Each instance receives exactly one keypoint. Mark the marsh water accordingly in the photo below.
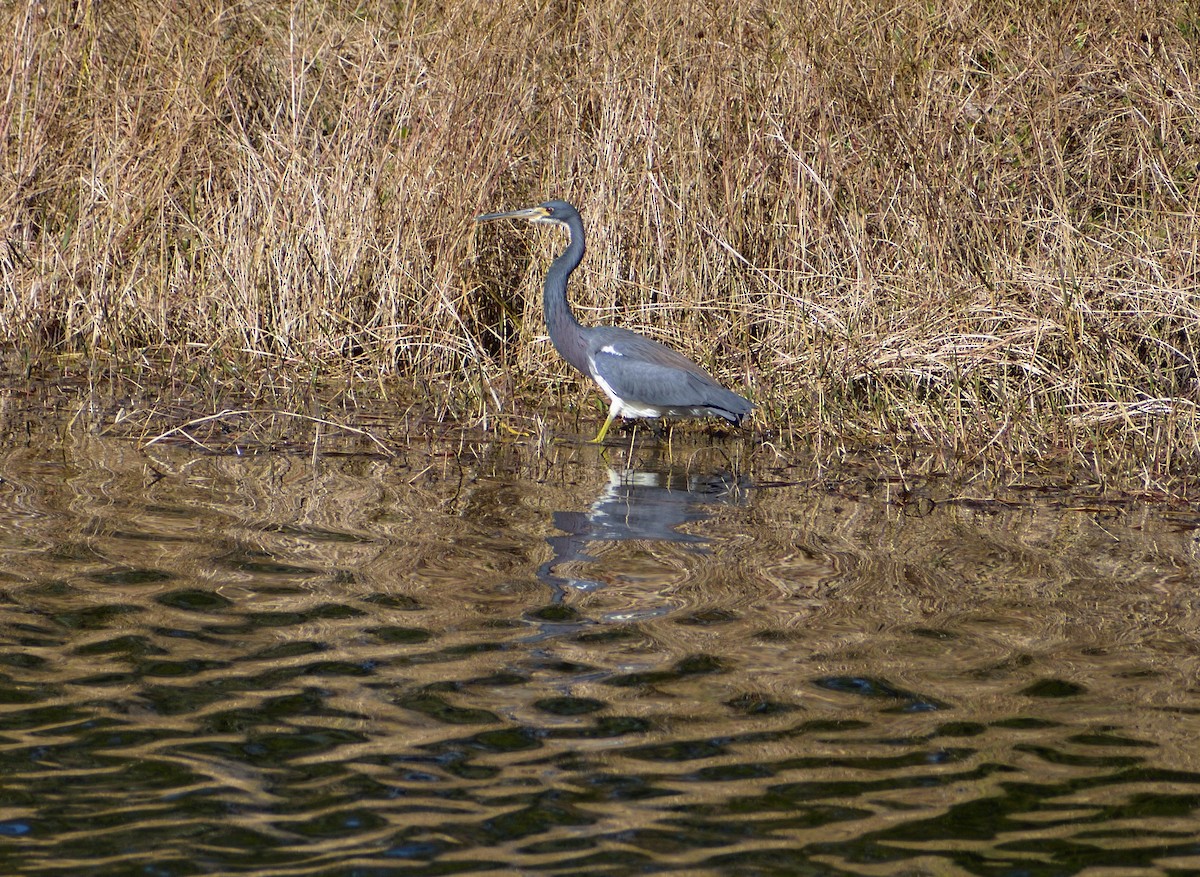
(537, 657)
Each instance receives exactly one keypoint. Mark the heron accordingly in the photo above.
(641, 377)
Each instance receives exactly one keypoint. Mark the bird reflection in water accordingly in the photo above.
(638, 505)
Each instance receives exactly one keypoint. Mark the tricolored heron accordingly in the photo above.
(642, 378)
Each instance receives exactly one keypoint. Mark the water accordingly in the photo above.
(491, 659)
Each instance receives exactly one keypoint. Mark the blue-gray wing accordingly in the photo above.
(643, 371)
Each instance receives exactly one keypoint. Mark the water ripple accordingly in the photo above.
(281, 666)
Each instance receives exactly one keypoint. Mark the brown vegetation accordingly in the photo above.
(973, 225)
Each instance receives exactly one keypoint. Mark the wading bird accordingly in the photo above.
(642, 378)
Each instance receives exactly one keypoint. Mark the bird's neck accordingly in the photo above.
(565, 331)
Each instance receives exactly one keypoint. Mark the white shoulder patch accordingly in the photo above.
(608, 348)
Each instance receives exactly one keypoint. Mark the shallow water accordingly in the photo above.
(540, 659)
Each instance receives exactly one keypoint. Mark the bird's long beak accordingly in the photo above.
(530, 213)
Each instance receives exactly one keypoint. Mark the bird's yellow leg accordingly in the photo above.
(612, 415)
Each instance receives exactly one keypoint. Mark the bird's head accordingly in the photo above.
(547, 213)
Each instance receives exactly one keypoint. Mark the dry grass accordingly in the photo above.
(969, 225)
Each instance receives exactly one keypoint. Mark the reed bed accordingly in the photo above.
(969, 225)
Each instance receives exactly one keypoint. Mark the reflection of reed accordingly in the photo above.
(351, 658)
(289, 531)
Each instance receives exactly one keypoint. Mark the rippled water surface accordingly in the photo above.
(535, 659)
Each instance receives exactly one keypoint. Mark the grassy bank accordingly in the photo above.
(973, 226)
